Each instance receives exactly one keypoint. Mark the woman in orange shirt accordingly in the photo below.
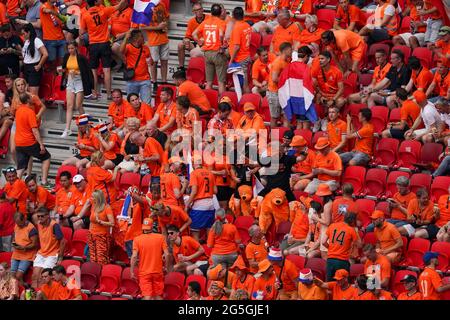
(101, 179)
(224, 239)
(99, 236)
(108, 143)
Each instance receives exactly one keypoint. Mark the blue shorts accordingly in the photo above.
(20, 265)
(56, 49)
(201, 219)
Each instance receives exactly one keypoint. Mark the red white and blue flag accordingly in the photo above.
(296, 92)
(143, 11)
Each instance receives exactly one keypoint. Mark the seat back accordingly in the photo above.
(430, 153)
(409, 153)
(196, 70)
(299, 261)
(174, 286)
(201, 281)
(355, 176)
(420, 180)
(375, 182)
(90, 275)
(366, 207)
(386, 151)
(379, 118)
(439, 187)
(443, 249)
(416, 249)
(391, 187)
(325, 18)
(317, 266)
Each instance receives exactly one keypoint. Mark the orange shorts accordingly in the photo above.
(152, 285)
(358, 53)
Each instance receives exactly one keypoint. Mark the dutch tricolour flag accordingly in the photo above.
(143, 11)
(295, 91)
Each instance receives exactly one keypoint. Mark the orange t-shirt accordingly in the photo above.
(328, 80)
(25, 121)
(444, 208)
(429, 280)
(101, 179)
(114, 151)
(341, 237)
(152, 147)
(312, 292)
(280, 35)
(178, 217)
(289, 275)
(186, 121)
(346, 17)
(305, 166)
(406, 296)
(95, 22)
(347, 40)
(387, 235)
(22, 236)
(331, 161)
(48, 240)
(120, 21)
(157, 38)
(425, 214)
(18, 190)
(42, 196)
(141, 70)
(52, 292)
(50, 31)
(212, 29)
(364, 141)
(307, 37)
(88, 140)
(338, 294)
(78, 200)
(260, 70)
(300, 224)
(117, 112)
(196, 96)
(335, 132)
(269, 292)
(404, 201)
(165, 114)
(96, 228)
(187, 247)
(381, 267)
(409, 112)
(427, 5)
(442, 85)
(379, 73)
(3, 19)
(138, 213)
(225, 243)
(276, 66)
(246, 285)
(341, 206)
(145, 113)
(63, 198)
(257, 252)
(256, 123)
(169, 182)
(366, 295)
(150, 248)
(240, 36)
(423, 79)
(191, 26)
(205, 182)
(12, 6)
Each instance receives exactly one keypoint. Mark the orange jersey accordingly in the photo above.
(306, 165)
(364, 141)
(405, 296)
(212, 30)
(260, 70)
(51, 25)
(380, 267)
(312, 292)
(144, 113)
(444, 208)
(404, 201)
(187, 120)
(306, 37)
(288, 276)
(196, 95)
(277, 65)
(112, 153)
(442, 83)
(336, 131)
(25, 121)
(387, 235)
(347, 40)
(225, 243)
(157, 38)
(331, 161)
(427, 5)
(151, 148)
(177, 217)
(423, 213)
(11, 7)
(101, 179)
(131, 55)
(18, 191)
(429, 280)
(338, 294)
(3, 19)
(138, 213)
(380, 72)
(265, 288)
(240, 35)
(63, 199)
(166, 113)
(246, 285)
(94, 226)
(117, 112)
(120, 21)
(78, 200)
(422, 79)
(205, 182)
(187, 247)
(341, 237)
(328, 80)
(95, 22)
(150, 248)
(169, 182)
(300, 224)
(88, 140)
(22, 236)
(280, 35)
(348, 16)
(409, 112)
(49, 238)
(257, 252)
(342, 206)
(256, 123)
(42, 197)
(53, 291)
(191, 26)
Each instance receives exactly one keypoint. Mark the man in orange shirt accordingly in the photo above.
(149, 252)
(190, 89)
(409, 111)
(136, 55)
(343, 205)
(286, 31)
(187, 116)
(347, 16)
(421, 77)
(336, 131)
(169, 214)
(49, 289)
(70, 289)
(52, 33)
(188, 43)
(411, 293)
(287, 272)
(377, 265)
(362, 152)
(16, 190)
(260, 70)
(341, 289)
(116, 110)
(120, 24)
(138, 109)
(307, 289)
(430, 282)
(28, 139)
(38, 196)
(256, 250)
(441, 83)
(285, 54)
(239, 44)
(94, 22)
(151, 156)
(166, 112)
(210, 36)
(221, 120)
(389, 240)
(442, 47)
(64, 194)
(267, 283)
(340, 238)
(251, 121)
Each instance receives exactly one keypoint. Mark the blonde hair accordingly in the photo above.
(16, 94)
(133, 121)
(100, 201)
(96, 158)
(312, 18)
(7, 276)
(220, 221)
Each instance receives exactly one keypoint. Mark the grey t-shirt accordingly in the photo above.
(33, 14)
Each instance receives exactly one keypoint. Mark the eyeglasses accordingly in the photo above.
(171, 233)
(41, 215)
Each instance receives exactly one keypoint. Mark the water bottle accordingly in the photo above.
(28, 294)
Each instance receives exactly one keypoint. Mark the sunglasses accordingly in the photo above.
(9, 170)
(171, 233)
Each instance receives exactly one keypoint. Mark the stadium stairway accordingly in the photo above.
(52, 128)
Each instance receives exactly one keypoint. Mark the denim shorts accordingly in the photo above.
(20, 265)
(56, 49)
(75, 84)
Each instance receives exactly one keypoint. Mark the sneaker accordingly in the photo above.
(181, 68)
(66, 133)
(48, 185)
(91, 97)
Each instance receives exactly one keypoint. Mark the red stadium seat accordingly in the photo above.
(159, 90)
(366, 79)
(129, 179)
(443, 248)
(196, 70)
(350, 84)
(404, 49)
(379, 118)
(67, 232)
(375, 182)
(254, 98)
(129, 286)
(201, 281)
(355, 176)
(354, 109)
(356, 269)
(394, 115)
(420, 180)
(405, 26)
(265, 111)
(90, 275)
(391, 188)
(110, 278)
(99, 297)
(4, 144)
(243, 223)
(408, 154)
(213, 97)
(446, 294)
(174, 286)
(266, 41)
(416, 249)
(429, 155)
(425, 56)
(396, 286)
(145, 183)
(233, 96)
(68, 263)
(317, 266)
(384, 206)
(371, 53)
(72, 169)
(370, 237)
(255, 43)
(6, 257)
(305, 133)
(326, 18)
(439, 187)
(46, 87)
(283, 229)
(79, 242)
(366, 207)
(386, 151)
(58, 94)
(299, 261)
(279, 132)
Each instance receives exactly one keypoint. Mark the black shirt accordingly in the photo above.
(398, 78)
(9, 63)
(161, 137)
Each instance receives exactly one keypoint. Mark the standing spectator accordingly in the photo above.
(286, 31)
(347, 16)
(188, 43)
(343, 205)
(94, 22)
(9, 286)
(34, 56)
(120, 24)
(25, 245)
(190, 89)
(434, 21)
(149, 250)
(430, 282)
(158, 42)
(362, 152)
(101, 222)
(260, 71)
(377, 265)
(210, 35)
(165, 115)
(28, 139)
(389, 240)
(138, 109)
(411, 293)
(170, 215)
(16, 190)
(10, 51)
(151, 156)
(6, 222)
(256, 250)
(101, 179)
(52, 33)
(52, 245)
(136, 55)
(33, 16)
(239, 44)
(79, 83)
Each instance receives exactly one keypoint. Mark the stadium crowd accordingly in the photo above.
(357, 207)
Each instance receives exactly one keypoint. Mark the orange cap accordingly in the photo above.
(377, 214)
(419, 96)
(147, 224)
(213, 273)
(248, 106)
(239, 264)
(341, 274)
(323, 190)
(298, 141)
(218, 284)
(264, 265)
(322, 143)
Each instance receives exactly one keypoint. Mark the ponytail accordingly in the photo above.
(218, 224)
(28, 28)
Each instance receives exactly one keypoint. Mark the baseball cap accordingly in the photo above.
(444, 30)
(341, 274)
(248, 106)
(227, 100)
(298, 141)
(429, 255)
(77, 178)
(147, 224)
(409, 278)
(377, 214)
(218, 284)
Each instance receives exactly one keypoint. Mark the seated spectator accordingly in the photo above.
(430, 282)
(444, 233)
(263, 16)
(411, 293)
(256, 249)
(304, 165)
(6, 223)
(64, 194)
(216, 291)
(193, 291)
(267, 284)
(138, 109)
(409, 111)
(340, 289)
(286, 31)
(416, 37)
(222, 273)
(100, 179)
(389, 240)
(260, 71)
(362, 152)
(421, 77)
(16, 190)
(307, 289)
(187, 116)
(312, 32)
(116, 110)
(251, 121)
(287, 274)
(49, 289)
(108, 143)
(152, 131)
(69, 290)
(377, 265)
(434, 21)
(362, 292)
(52, 33)
(398, 204)
(165, 114)
(221, 121)
(347, 16)
(77, 214)
(293, 242)
(443, 134)
(10, 51)
(440, 84)
(9, 287)
(385, 24)
(343, 205)
(441, 46)
(37, 197)
(243, 280)
(443, 216)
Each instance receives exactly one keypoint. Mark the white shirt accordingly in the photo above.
(27, 59)
(390, 11)
(430, 115)
(445, 117)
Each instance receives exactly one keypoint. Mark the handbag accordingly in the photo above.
(128, 73)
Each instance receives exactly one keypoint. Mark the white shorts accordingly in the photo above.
(420, 132)
(420, 37)
(160, 52)
(410, 229)
(45, 262)
(203, 204)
